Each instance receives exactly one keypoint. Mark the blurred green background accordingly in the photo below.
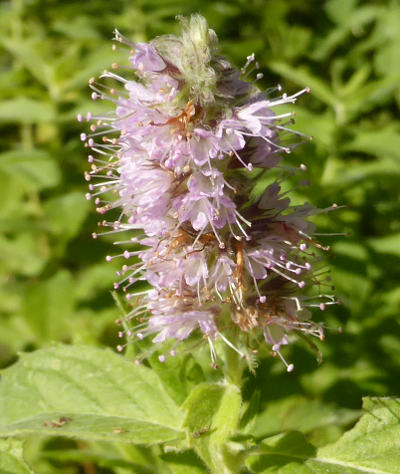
(55, 284)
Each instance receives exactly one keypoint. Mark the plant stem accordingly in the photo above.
(233, 365)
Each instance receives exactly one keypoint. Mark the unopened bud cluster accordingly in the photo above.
(179, 157)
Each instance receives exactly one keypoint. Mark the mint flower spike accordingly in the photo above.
(175, 157)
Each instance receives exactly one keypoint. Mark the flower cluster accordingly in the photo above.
(180, 156)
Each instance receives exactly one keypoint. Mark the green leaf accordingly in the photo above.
(212, 417)
(25, 110)
(101, 58)
(86, 393)
(299, 414)
(389, 244)
(104, 458)
(179, 375)
(340, 176)
(349, 23)
(48, 306)
(303, 77)
(340, 11)
(11, 458)
(22, 255)
(387, 35)
(78, 28)
(373, 94)
(65, 214)
(372, 446)
(33, 169)
(94, 278)
(321, 126)
(184, 463)
(91, 427)
(33, 55)
(381, 143)
(284, 454)
(249, 416)
(355, 82)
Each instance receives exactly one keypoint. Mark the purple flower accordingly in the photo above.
(146, 58)
(180, 325)
(222, 273)
(177, 156)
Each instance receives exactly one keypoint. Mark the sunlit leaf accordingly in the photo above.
(11, 458)
(299, 414)
(86, 393)
(374, 443)
(372, 446)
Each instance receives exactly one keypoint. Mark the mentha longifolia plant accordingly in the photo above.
(179, 156)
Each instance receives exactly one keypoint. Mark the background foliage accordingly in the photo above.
(55, 284)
